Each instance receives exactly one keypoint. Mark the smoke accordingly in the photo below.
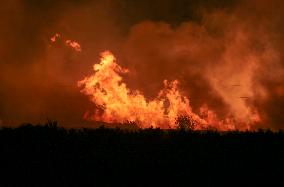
(226, 55)
(37, 77)
(228, 61)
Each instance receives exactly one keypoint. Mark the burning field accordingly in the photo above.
(117, 103)
(142, 93)
(218, 65)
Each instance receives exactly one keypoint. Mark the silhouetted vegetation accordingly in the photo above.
(49, 155)
(185, 122)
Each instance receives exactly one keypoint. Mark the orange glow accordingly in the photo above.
(55, 37)
(73, 44)
(117, 103)
(69, 43)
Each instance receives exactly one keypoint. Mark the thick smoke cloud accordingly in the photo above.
(38, 80)
(226, 54)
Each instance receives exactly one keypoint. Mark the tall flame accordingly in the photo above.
(117, 103)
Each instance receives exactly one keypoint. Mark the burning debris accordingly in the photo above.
(70, 43)
(73, 44)
(55, 37)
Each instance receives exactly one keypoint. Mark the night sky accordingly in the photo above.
(225, 54)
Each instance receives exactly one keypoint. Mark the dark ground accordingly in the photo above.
(52, 156)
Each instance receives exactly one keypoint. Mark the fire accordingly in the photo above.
(55, 37)
(117, 103)
(73, 44)
(69, 43)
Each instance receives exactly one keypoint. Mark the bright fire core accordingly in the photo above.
(116, 103)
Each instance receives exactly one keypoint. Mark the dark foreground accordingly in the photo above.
(52, 156)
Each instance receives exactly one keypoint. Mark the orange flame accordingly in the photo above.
(117, 103)
(69, 43)
(55, 37)
(73, 44)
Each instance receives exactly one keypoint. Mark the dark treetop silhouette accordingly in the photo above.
(50, 155)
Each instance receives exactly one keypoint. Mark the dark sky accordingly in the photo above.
(208, 45)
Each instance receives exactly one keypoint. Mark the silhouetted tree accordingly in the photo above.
(185, 122)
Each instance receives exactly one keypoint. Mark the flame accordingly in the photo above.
(55, 37)
(70, 43)
(73, 44)
(117, 103)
